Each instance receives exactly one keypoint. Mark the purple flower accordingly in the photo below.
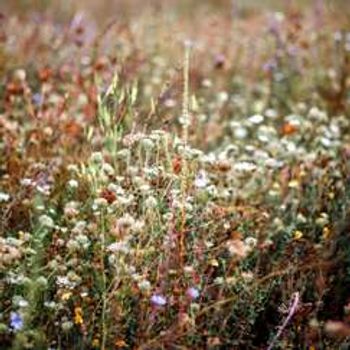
(16, 321)
(192, 293)
(269, 66)
(158, 300)
(38, 99)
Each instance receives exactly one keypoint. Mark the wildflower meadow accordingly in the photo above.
(174, 174)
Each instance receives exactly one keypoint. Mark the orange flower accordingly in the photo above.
(288, 129)
(120, 343)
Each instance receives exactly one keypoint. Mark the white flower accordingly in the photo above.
(326, 142)
(71, 209)
(125, 221)
(26, 182)
(338, 36)
(244, 166)
(144, 188)
(247, 276)
(130, 139)
(13, 241)
(50, 304)
(123, 153)
(151, 202)
(201, 179)
(219, 280)
(118, 247)
(273, 163)
(158, 134)
(67, 325)
(62, 281)
(212, 190)
(147, 144)
(223, 96)
(46, 221)
(184, 120)
(73, 246)
(317, 114)
(79, 227)
(170, 103)
(240, 133)
(116, 189)
(20, 301)
(73, 184)
(108, 169)
(236, 248)
(271, 113)
(207, 83)
(44, 189)
(125, 201)
(99, 203)
(144, 285)
(4, 197)
(20, 74)
(83, 241)
(279, 16)
(188, 269)
(250, 242)
(256, 119)
(195, 153)
(97, 157)
(73, 168)
(322, 220)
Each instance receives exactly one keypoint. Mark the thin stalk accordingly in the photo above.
(185, 125)
(292, 310)
(104, 282)
(185, 99)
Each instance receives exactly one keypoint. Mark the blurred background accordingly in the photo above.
(138, 37)
(104, 9)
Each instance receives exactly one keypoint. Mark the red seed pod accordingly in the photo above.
(108, 195)
(14, 88)
(177, 164)
(45, 74)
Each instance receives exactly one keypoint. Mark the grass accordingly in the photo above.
(176, 177)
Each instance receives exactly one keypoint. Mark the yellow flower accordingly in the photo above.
(78, 315)
(298, 235)
(95, 343)
(293, 184)
(213, 262)
(326, 233)
(66, 295)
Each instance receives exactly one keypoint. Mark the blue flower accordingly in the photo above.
(16, 321)
(158, 300)
(38, 99)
